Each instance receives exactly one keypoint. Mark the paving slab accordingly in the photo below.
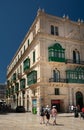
(28, 121)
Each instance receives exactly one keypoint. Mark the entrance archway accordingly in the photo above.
(79, 99)
(56, 103)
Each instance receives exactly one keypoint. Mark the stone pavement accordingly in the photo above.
(28, 121)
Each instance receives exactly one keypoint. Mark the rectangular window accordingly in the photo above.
(54, 30)
(33, 56)
(21, 53)
(28, 42)
(56, 91)
(18, 56)
(24, 47)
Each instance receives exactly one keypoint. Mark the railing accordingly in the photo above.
(66, 80)
(74, 61)
(57, 80)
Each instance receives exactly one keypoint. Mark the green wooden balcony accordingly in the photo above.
(75, 75)
(32, 77)
(16, 87)
(56, 53)
(22, 84)
(81, 81)
(26, 65)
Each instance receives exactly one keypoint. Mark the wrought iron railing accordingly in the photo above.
(81, 81)
(57, 80)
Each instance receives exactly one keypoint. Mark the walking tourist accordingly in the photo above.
(47, 114)
(42, 115)
(54, 114)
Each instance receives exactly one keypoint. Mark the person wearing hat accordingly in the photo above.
(54, 114)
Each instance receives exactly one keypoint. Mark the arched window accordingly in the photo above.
(79, 99)
(76, 56)
(56, 75)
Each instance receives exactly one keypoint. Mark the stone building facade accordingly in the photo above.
(48, 67)
(2, 92)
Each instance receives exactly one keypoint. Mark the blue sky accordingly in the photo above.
(16, 16)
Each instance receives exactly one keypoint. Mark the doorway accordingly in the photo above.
(79, 99)
(56, 103)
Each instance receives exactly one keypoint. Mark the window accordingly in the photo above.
(28, 42)
(20, 68)
(56, 75)
(21, 53)
(24, 47)
(56, 91)
(14, 77)
(18, 56)
(54, 30)
(33, 56)
(76, 56)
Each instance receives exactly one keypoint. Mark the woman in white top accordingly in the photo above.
(54, 114)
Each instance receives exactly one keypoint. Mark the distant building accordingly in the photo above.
(48, 67)
(2, 91)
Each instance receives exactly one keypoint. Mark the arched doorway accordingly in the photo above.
(79, 99)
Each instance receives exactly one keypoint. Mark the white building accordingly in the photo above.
(48, 67)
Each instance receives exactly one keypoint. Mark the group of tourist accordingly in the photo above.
(78, 112)
(47, 113)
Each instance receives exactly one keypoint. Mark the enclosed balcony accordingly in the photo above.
(32, 77)
(56, 53)
(16, 87)
(22, 84)
(76, 75)
(26, 65)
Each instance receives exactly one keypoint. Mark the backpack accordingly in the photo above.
(42, 113)
(47, 111)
